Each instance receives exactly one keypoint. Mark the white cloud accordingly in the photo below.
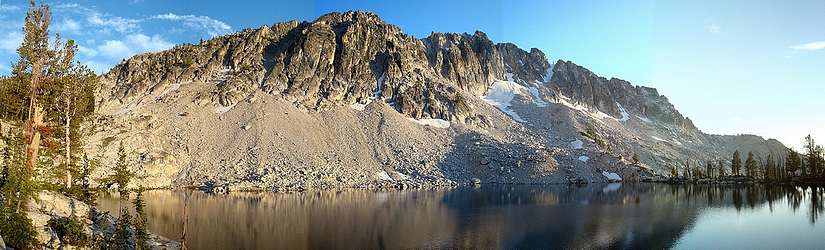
(11, 41)
(107, 38)
(8, 8)
(118, 24)
(207, 24)
(85, 51)
(211, 26)
(69, 25)
(818, 45)
(715, 29)
(133, 44)
(115, 49)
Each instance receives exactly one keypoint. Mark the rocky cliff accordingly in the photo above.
(349, 100)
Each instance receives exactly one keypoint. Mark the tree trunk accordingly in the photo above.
(68, 156)
(34, 136)
(34, 120)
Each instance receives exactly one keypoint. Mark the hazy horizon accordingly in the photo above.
(736, 67)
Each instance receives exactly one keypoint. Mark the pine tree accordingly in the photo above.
(122, 177)
(770, 168)
(813, 157)
(141, 231)
(33, 67)
(21, 153)
(793, 162)
(709, 169)
(88, 195)
(722, 171)
(674, 173)
(750, 165)
(736, 163)
(17, 188)
(75, 85)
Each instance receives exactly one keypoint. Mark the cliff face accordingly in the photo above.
(579, 83)
(341, 100)
(337, 59)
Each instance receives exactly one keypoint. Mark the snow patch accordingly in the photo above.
(599, 115)
(379, 88)
(577, 144)
(537, 97)
(500, 95)
(657, 138)
(549, 73)
(438, 123)
(611, 176)
(382, 175)
(644, 119)
(625, 115)
(583, 158)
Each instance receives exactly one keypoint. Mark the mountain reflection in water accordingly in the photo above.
(647, 216)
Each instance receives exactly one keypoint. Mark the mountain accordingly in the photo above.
(349, 100)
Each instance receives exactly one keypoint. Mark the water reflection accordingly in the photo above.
(594, 216)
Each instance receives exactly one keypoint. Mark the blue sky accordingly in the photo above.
(734, 66)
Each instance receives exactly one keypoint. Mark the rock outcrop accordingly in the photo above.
(340, 101)
(49, 205)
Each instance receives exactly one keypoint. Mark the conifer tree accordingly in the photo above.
(88, 195)
(813, 157)
(709, 169)
(722, 171)
(122, 177)
(635, 158)
(793, 162)
(33, 68)
(74, 86)
(17, 188)
(770, 168)
(736, 163)
(141, 231)
(674, 173)
(21, 156)
(750, 165)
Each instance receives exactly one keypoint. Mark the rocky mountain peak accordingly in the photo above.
(338, 59)
(612, 95)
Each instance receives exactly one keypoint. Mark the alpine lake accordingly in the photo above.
(594, 216)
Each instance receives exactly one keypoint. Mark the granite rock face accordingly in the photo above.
(268, 108)
(340, 58)
(582, 85)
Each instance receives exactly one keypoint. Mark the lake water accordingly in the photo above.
(638, 216)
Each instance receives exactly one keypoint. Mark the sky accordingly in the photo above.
(733, 66)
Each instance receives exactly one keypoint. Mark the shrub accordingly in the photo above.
(70, 231)
(17, 229)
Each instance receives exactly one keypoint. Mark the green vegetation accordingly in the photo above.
(17, 188)
(591, 133)
(736, 163)
(47, 98)
(70, 231)
(807, 167)
(122, 176)
(141, 231)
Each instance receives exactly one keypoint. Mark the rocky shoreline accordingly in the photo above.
(50, 205)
